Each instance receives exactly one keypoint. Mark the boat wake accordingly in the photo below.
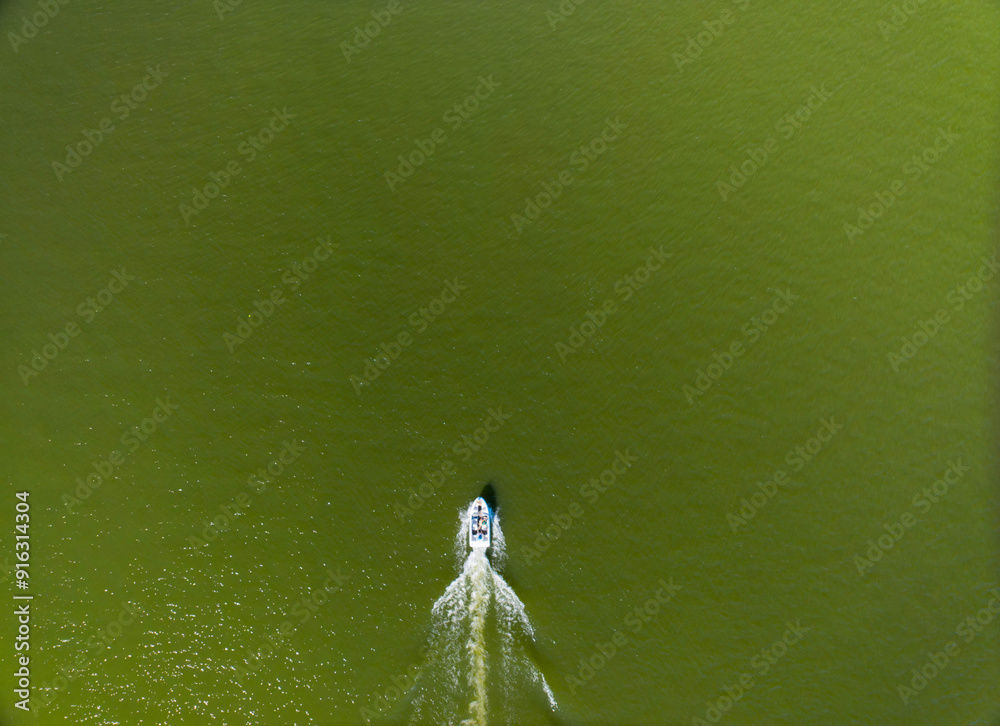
(478, 668)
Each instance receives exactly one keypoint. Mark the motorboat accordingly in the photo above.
(479, 524)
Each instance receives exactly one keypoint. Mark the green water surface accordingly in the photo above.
(730, 244)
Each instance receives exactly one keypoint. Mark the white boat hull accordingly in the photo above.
(479, 524)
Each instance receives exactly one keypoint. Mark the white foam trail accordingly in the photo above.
(457, 680)
(478, 609)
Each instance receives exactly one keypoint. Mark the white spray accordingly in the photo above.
(472, 655)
